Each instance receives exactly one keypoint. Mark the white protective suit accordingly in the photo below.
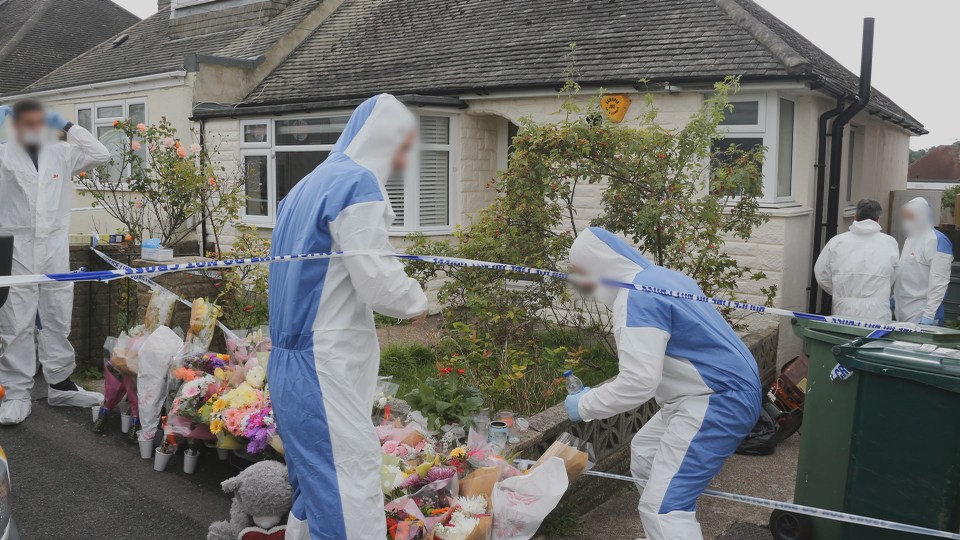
(924, 271)
(325, 359)
(35, 209)
(858, 268)
(686, 356)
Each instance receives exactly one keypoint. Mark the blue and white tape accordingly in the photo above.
(109, 275)
(802, 509)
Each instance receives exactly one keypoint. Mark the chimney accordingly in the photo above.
(163, 4)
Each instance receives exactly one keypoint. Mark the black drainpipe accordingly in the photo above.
(836, 138)
(203, 224)
(818, 223)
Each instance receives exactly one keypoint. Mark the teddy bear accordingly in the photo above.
(262, 498)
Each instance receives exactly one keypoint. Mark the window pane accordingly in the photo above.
(310, 130)
(137, 113)
(851, 162)
(293, 167)
(110, 111)
(744, 113)
(116, 143)
(255, 179)
(85, 119)
(255, 133)
(727, 150)
(435, 129)
(434, 188)
(785, 159)
(395, 186)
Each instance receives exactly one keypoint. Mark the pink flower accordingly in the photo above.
(168, 142)
(195, 148)
(191, 390)
(390, 447)
(181, 152)
(142, 128)
(135, 146)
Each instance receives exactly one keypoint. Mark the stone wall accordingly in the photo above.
(611, 437)
(99, 309)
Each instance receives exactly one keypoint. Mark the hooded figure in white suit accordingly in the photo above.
(684, 355)
(858, 267)
(924, 271)
(36, 173)
(325, 359)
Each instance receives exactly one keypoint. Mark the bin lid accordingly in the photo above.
(838, 334)
(939, 367)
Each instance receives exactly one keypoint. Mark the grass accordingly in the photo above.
(409, 364)
(598, 362)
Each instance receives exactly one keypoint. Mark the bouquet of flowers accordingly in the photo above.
(469, 520)
(242, 417)
(245, 346)
(203, 321)
(159, 309)
(414, 517)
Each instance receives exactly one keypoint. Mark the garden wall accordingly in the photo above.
(100, 309)
(611, 437)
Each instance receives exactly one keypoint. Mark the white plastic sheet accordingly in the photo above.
(156, 356)
(521, 503)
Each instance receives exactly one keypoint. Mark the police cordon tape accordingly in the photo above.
(134, 273)
(801, 509)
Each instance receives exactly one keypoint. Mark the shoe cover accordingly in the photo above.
(14, 411)
(73, 398)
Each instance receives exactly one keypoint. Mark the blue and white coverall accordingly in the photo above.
(683, 354)
(923, 274)
(325, 359)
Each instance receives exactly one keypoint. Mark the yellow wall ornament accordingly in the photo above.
(615, 105)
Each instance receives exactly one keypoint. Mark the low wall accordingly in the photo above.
(611, 437)
(99, 309)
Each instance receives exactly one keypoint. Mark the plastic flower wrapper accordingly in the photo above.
(410, 434)
(385, 391)
(203, 322)
(159, 310)
(577, 455)
(470, 519)
(156, 356)
(186, 416)
(243, 345)
(116, 385)
(415, 516)
(521, 503)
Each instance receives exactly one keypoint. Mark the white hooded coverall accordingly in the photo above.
(686, 356)
(35, 208)
(858, 268)
(325, 359)
(924, 271)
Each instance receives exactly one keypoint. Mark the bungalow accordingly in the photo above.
(190, 53)
(472, 69)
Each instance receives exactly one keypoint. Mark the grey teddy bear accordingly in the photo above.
(261, 497)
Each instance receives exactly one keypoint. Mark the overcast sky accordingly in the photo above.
(915, 58)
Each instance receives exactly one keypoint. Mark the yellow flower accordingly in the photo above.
(219, 405)
(216, 425)
(458, 452)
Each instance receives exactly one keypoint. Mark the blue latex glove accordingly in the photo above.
(572, 403)
(56, 120)
(5, 111)
(927, 321)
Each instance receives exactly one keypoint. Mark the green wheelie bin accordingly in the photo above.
(904, 462)
(828, 418)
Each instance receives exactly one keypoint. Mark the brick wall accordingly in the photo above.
(99, 308)
(479, 161)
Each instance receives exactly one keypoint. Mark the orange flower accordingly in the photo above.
(213, 181)
(181, 152)
(82, 174)
(142, 128)
(116, 123)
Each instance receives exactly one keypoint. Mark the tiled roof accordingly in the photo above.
(150, 49)
(37, 36)
(941, 164)
(449, 47)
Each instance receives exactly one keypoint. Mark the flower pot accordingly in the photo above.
(161, 459)
(190, 458)
(146, 447)
(223, 454)
(125, 422)
(95, 410)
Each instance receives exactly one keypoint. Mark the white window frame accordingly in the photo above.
(97, 122)
(853, 162)
(411, 177)
(768, 129)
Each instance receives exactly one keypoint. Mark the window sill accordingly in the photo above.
(397, 233)
(849, 211)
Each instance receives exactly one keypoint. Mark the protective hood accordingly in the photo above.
(865, 226)
(376, 130)
(922, 220)
(605, 256)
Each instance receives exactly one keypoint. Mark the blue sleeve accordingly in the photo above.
(647, 310)
(944, 245)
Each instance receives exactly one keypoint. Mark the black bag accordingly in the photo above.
(760, 441)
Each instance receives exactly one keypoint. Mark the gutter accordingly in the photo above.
(212, 110)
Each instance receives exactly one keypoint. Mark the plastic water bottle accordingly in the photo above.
(574, 384)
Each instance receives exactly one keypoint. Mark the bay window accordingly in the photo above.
(278, 153)
(764, 120)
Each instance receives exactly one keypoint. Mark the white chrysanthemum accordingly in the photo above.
(459, 528)
(473, 505)
(256, 377)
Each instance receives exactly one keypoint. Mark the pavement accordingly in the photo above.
(770, 477)
(71, 484)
